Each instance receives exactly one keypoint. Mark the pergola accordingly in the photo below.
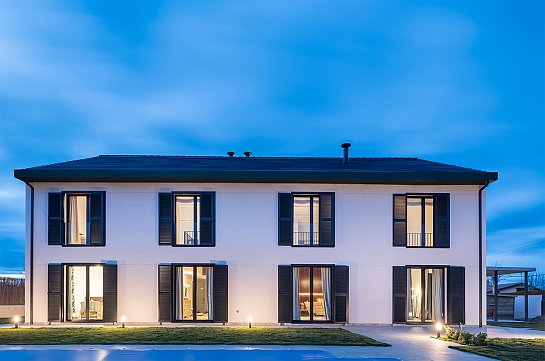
(495, 271)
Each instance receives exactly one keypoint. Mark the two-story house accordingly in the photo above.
(281, 239)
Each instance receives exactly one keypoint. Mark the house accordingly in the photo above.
(280, 239)
(511, 287)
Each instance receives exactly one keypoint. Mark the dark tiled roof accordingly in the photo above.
(144, 168)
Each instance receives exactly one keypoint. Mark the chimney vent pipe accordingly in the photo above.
(345, 147)
(247, 154)
(231, 154)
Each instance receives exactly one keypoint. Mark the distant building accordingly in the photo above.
(281, 239)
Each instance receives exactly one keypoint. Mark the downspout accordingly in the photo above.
(481, 253)
(31, 251)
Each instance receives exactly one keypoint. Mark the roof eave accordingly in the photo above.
(255, 176)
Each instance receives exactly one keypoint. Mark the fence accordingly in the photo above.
(12, 291)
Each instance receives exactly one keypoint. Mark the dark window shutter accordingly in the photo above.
(400, 220)
(400, 293)
(285, 275)
(54, 292)
(327, 216)
(54, 220)
(340, 294)
(109, 277)
(221, 277)
(285, 222)
(441, 216)
(97, 217)
(207, 219)
(456, 294)
(165, 293)
(165, 219)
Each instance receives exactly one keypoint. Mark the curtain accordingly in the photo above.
(326, 286)
(437, 287)
(73, 221)
(179, 292)
(296, 305)
(209, 292)
(410, 292)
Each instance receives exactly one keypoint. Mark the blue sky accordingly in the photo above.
(456, 82)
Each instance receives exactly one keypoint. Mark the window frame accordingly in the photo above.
(311, 291)
(422, 196)
(312, 196)
(172, 218)
(194, 293)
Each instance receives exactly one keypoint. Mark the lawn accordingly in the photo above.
(185, 335)
(533, 326)
(509, 349)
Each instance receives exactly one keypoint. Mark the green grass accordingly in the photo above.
(533, 326)
(509, 349)
(185, 335)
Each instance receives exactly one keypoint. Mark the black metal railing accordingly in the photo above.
(415, 240)
(304, 238)
(189, 238)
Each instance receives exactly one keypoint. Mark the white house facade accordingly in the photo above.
(284, 240)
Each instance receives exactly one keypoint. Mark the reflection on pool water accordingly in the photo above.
(182, 355)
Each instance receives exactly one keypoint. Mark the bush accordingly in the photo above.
(465, 337)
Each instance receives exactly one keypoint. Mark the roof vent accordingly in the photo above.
(247, 154)
(231, 154)
(345, 147)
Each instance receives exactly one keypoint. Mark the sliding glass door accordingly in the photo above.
(425, 295)
(84, 293)
(312, 293)
(194, 290)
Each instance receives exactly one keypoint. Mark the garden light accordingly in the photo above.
(123, 319)
(249, 321)
(16, 320)
(438, 327)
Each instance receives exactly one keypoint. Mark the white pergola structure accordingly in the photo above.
(496, 271)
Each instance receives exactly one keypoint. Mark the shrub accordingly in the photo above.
(480, 339)
(465, 337)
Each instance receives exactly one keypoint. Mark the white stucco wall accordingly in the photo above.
(246, 239)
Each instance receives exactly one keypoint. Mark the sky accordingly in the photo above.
(455, 82)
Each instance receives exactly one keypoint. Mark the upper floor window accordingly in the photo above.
(187, 219)
(76, 219)
(306, 219)
(421, 220)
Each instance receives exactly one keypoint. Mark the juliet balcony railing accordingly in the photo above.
(190, 239)
(306, 238)
(415, 240)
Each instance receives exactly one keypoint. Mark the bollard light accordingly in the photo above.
(123, 319)
(249, 321)
(16, 321)
(438, 327)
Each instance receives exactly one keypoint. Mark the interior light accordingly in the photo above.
(249, 321)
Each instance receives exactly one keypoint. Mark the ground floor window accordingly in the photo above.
(312, 293)
(425, 291)
(84, 292)
(193, 290)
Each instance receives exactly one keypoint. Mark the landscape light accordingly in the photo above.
(438, 327)
(123, 319)
(249, 321)
(16, 320)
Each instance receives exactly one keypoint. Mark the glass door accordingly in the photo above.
(311, 293)
(194, 288)
(84, 292)
(425, 295)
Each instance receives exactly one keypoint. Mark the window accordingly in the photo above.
(422, 294)
(82, 292)
(421, 220)
(187, 219)
(76, 219)
(306, 219)
(193, 292)
(312, 293)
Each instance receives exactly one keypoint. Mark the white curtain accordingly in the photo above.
(437, 287)
(210, 292)
(326, 286)
(179, 292)
(410, 291)
(296, 305)
(73, 221)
